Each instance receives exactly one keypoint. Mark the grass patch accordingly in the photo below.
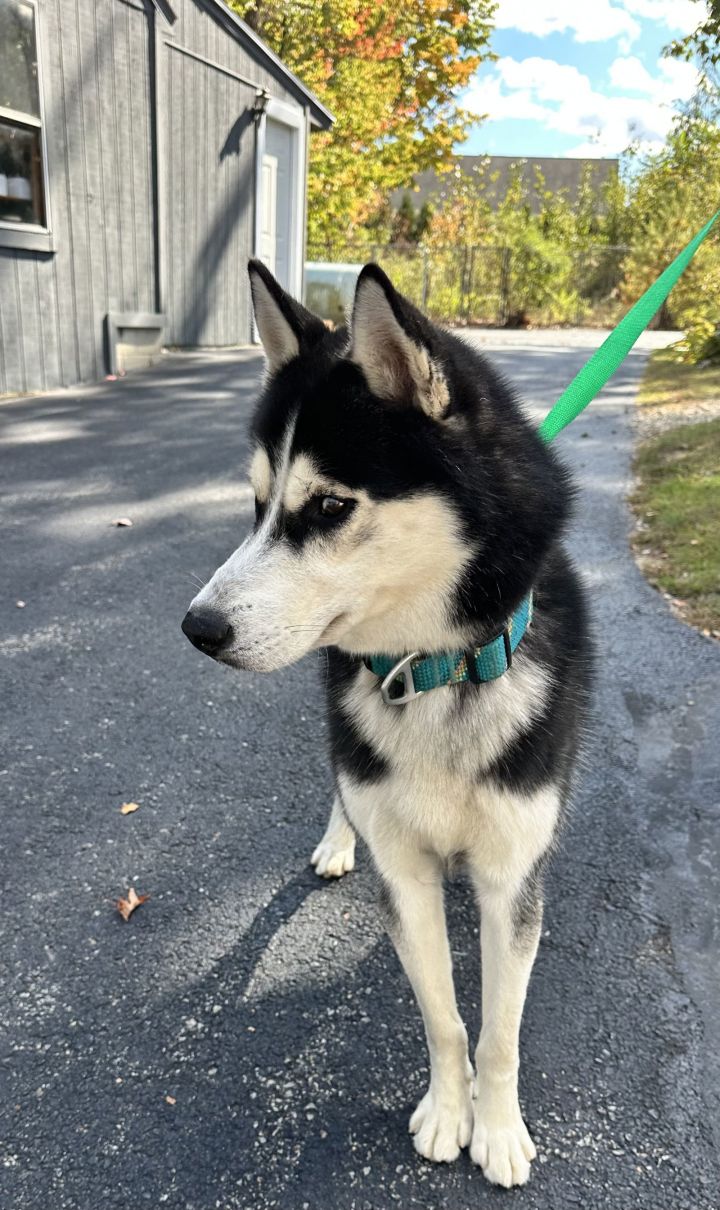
(669, 383)
(677, 504)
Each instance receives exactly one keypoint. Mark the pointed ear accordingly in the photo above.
(284, 325)
(389, 343)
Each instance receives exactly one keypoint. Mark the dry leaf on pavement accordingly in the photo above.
(126, 907)
(127, 808)
(121, 521)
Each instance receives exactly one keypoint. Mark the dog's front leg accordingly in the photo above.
(335, 855)
(413, 899)
(501, 1144)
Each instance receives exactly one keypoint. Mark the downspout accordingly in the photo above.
(308, 135)
(158, 160)
(259, 107)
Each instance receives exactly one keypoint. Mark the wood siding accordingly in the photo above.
(207, 139)
(96, 85)
(140, 216)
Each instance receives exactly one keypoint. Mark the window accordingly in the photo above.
(22, 175)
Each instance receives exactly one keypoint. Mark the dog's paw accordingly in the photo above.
(442, 1125)
(503, 1151)
(335, 855)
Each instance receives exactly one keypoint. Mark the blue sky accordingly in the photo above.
(580, 77)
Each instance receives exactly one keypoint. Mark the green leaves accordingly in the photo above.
(671, 197)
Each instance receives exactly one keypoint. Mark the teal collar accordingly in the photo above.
(404, 679)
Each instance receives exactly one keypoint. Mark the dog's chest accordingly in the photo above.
(438, 748)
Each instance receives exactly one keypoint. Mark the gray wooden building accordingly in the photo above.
(147, 149)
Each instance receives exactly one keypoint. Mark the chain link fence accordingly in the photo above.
(483, 285)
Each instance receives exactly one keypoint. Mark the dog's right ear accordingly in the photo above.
(284, 325)
(392, 343)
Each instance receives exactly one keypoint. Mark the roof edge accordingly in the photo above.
(320, 117)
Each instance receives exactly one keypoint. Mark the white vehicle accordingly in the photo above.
(330, 288)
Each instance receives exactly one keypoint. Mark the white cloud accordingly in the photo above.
(561, 98)
(550, 81)
(629, 73)
(679, 16)
(598, 21)
(678, 79)
(591, 151)
(675, 80)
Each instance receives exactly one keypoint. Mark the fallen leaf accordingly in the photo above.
(20, 604)
(171, 1100)
(127, 808)
(121, 521)
(126, 907)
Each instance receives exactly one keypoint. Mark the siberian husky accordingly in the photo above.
(409, 519)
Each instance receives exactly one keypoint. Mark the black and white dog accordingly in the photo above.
(408, 519)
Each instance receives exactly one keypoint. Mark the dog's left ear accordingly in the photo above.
(284, 325)
(391, 344)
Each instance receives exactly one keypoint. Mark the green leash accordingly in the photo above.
(613, 351)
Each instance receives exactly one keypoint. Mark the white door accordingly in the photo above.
(280, 143)
(279, 235)
(268, 212)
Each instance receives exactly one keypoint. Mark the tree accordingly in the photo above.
(391, 73)
(673, 195)
(404, 222)
(408, 225)
(462, 214)
(688, 172)
(703, 44)
(702, 47)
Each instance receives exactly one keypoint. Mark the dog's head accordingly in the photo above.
(402, 499)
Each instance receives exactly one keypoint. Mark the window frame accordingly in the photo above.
(31, 237)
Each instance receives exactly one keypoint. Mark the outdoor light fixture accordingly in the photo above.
(260, 104)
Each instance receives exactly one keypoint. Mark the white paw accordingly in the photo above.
(442, 1125)
(503, 1150)
(335, 855)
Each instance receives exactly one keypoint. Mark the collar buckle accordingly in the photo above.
(401, 671)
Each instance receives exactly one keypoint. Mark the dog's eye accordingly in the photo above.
(331, 506)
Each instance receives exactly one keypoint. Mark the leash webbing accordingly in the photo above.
(613, 351)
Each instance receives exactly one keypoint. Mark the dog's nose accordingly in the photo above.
(207, 629)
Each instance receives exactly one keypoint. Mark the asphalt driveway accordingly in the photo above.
(248, 1039)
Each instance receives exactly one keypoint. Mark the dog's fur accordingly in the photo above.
(453, 511)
